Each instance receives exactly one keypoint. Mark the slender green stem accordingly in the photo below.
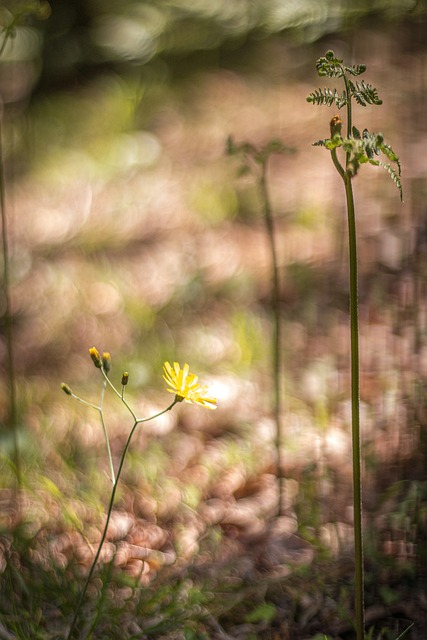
(355, 417)
(349, 113)
(99, 408)
(109, 512)
(13, 414)
(120, 395)
(277, 335)
(104, 428)
(354, 365)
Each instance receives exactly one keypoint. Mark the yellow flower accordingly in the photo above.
(185, 385)
(97, 360)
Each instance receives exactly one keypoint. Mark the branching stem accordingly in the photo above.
(109, 512)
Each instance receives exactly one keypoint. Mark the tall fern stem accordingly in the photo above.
(359, 149)
(355, 417)
(355, 413)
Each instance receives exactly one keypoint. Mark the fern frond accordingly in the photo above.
(364, 93)
(390, 154)
(320, 143)
(330, 143)
(394, 176)
(370, 144)
(328, 97)
(356, 69)
(329, 66)
(374, 144)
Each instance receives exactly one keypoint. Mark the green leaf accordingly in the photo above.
(265, 612)
(329, 66)
(390, 154)
(356, 70)
(364, 93)
(50, 487)
(394, 176)
(328, 97)
(320, 143)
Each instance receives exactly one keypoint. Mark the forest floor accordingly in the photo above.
(145, 242)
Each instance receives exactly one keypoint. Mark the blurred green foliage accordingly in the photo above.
(82, 35)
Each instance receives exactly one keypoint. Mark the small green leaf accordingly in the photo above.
(364, 93)
(327, 97)
(394, 176)
(50, 487)
(265, 612)
(329, 66)
(356, 70)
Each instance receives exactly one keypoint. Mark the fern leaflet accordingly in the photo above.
(364, 93)
(328, 97)
(394, 175)
(356, 70)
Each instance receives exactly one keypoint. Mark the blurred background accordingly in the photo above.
(131, 230)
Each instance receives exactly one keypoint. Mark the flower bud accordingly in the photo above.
(106, 361)
(125, 378)
(335, 125)
(96, 358)
(66, 389)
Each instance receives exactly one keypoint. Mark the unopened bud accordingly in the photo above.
(94, 354)
(335, 125)
(125, 378)
(66, 389)
(106, 361)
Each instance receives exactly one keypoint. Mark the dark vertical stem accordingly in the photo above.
(277, 335)
(10, 364)
(355, 417)
(355, 414)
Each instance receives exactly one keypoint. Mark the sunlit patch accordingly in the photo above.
(131, 37)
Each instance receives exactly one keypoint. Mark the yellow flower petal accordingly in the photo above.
(186, 385)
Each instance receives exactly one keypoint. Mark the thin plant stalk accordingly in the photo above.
(277, 332)
(10, 364)
(6, 33)
(355, 400)
(104, 428)
(100, 410)
(255, 161)
(109, 512)
(360, 148)
(355, 414)
(183, 384)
